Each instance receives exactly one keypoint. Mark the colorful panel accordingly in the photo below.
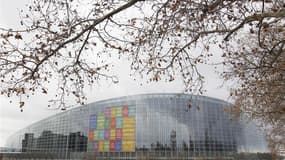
(107, 112)
(128, 130)
(118, 134)
(96, 135)
(119, 112)
(107, 123)
(107, 134)
(92, 122)
(101, 134)
(91, 133)
(113, 123)
(96, 146)
(129, 121)
(107, 146)
(90, 146)
(128, 146)
(112, 130)
(112, 146)
(101, 146)
(113, 134)
(125, 111)
(101, 124)
(118, 145)
(113, 112)
(101, 116)
(128, 134)
(93, 117)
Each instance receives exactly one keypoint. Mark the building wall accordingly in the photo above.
(143, 126)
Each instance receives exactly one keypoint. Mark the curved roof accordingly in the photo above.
(136, 96)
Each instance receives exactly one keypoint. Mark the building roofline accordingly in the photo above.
(125, 97)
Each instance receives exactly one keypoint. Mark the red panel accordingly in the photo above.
(125, 111)
(112, 146)
(118, 133)
(113, 123)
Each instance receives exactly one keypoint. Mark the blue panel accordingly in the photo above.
(118, 145)
(93, 117)
(119, 122)
(101, 134)
(93, 122)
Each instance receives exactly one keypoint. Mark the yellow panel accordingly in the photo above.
(129, 120)
(113, 112)
(112, 134)
(128, 136)
(128, 130)
(128, 123)
(101, 146)
(128, 126)
(128, 146)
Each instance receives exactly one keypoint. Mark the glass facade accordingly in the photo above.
(148, 126)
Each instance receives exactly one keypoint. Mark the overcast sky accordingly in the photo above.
(11, 119)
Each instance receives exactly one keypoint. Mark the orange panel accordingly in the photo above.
(91, 132)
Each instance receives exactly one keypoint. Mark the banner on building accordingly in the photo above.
(112, 130)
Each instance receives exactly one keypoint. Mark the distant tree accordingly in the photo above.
(71, 40)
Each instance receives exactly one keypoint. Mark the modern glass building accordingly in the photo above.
(148, 126)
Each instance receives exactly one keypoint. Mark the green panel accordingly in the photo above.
(96, 135)
(100, 124)
(106, 146)
(90, 146)
(101, 116)
(119, 111)
(107, 123)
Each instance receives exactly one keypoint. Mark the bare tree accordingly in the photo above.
(69, 40)
(256, 62)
